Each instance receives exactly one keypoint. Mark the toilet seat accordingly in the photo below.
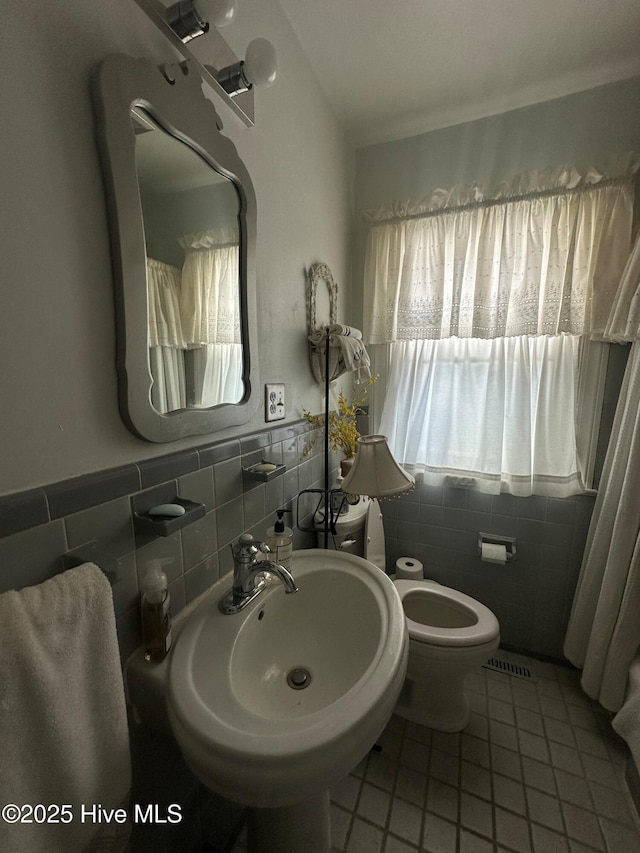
(443, 616)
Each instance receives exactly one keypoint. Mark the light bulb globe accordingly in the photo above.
(218, 13)
(260, 63)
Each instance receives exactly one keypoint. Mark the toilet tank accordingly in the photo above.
(350, 528)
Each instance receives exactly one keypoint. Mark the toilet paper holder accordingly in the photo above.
(494, 539)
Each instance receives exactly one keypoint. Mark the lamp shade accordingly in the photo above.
(375, 472)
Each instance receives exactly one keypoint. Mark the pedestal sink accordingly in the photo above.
(272, 705)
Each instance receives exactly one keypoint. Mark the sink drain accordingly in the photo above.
(298, 678)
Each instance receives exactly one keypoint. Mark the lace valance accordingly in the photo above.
(542, 255)
(561, 179)
(212, 239)
(200, 304)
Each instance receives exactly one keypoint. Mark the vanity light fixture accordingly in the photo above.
(259, 68)
(216, 47)
(375, 472)
(192, 18)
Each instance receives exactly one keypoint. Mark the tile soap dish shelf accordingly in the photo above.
(159, 525)
(262, 472)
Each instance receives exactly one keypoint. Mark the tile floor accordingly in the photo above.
(537, 770)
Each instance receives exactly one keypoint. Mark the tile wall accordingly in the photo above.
(91, 517)
(531, 595)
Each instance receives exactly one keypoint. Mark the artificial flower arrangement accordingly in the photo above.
(343, 434)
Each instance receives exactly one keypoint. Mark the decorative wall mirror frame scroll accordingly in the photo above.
(172, 98)
(317, 335)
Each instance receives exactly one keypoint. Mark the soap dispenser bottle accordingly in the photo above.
(156, 613)
(280, 541)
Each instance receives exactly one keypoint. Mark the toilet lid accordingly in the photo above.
(374, 535)
(443, 616)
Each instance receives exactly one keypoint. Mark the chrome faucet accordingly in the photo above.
(247, 574)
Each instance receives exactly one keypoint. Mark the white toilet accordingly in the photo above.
(450, 635)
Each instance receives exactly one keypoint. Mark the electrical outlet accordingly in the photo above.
(274, 402)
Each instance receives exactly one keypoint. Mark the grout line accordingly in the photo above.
(600, 819)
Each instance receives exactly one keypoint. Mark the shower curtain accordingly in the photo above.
(604, 629)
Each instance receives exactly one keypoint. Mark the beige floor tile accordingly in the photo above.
(538, 770)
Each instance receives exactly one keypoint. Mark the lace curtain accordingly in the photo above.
(210, 311)
(492, 415)
(195, 349)
(163, 291)
(210, 304)
(483, 304)
(543, 256)
(166, 342)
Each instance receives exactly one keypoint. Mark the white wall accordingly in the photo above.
(582, 129)
(57, 338)
(588, 128)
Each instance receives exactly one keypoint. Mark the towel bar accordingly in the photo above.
(92, 552)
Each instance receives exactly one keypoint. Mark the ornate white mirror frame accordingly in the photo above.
(317, 336)
(173, 97)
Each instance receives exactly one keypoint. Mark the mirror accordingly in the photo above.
(190, 214)
(182, 214)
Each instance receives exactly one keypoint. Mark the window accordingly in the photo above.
(488, 414)
(486, 309)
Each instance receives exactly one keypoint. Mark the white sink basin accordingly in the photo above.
(243, 729)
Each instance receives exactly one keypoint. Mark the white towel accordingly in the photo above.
(346, 353)
(319, 336)
(354, 354)
(345, 331)
(317, 357)
(63, 719)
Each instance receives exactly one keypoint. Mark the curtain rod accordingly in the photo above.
(496, 202)
(210, 248)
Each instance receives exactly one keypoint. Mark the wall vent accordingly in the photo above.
(509, 668)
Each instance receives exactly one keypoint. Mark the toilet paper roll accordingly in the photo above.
(408, 568)
(491, 553)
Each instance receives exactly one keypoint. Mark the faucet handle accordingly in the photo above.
(244, 549)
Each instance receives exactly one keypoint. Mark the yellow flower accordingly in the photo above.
(343, 434)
